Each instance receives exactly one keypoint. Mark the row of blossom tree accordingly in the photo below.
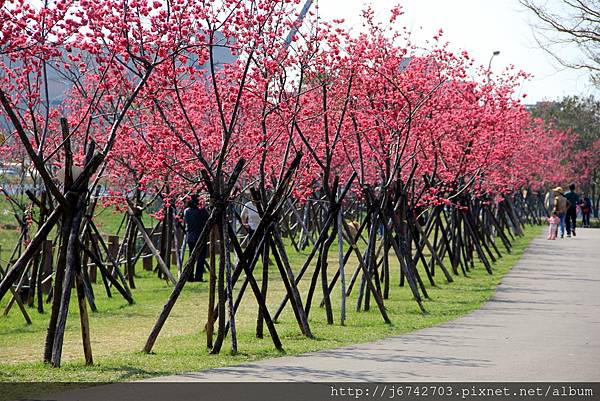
(150, 111)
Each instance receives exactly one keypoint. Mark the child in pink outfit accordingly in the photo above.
(554, 221)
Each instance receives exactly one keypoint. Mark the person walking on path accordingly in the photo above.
(586, 210)
(195, 219)
(571, 216)
(560, 207)
(554, 221)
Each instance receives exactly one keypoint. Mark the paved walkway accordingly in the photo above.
(543, 324)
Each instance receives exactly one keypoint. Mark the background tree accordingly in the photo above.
(580, 117)
(569, 22)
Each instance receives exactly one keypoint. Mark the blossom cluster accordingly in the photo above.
(371, 103)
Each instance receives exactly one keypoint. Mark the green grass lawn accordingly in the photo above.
(119, 330)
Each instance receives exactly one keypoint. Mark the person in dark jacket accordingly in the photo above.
(586, 210)
(195, 219)
(571, 217)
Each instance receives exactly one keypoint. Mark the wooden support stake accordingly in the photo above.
(148, 241)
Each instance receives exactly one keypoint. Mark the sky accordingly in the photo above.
(479, 27)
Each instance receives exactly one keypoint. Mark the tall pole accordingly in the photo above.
(489, 69)
(494, 54)
(298, 23)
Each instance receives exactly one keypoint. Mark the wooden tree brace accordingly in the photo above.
(148, 241)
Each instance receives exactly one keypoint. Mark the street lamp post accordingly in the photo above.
(489, 69)
(494, 54)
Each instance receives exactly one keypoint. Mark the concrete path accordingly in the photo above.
(543, 324)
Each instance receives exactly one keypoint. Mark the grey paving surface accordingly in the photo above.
(543, 324)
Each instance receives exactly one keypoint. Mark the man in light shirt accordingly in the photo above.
(250, 217)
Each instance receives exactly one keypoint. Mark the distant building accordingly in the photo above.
(540, 104)
(59, 83)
